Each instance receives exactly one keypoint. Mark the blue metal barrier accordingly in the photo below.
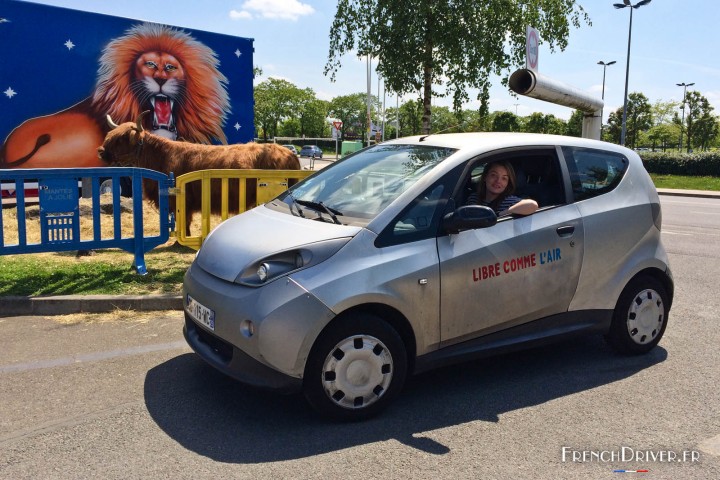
(59, 201)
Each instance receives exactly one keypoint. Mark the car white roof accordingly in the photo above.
(487, 141)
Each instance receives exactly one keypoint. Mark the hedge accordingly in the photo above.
(674, 163)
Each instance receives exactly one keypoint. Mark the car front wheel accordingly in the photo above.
(355, 369)
(640, 317)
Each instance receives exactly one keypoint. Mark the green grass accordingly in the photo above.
(104, 272)
(110, 271)
(686, 183)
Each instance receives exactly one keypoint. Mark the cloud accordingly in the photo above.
(272, 9)
(241, 15)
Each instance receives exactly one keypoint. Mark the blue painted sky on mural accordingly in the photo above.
(672, 42)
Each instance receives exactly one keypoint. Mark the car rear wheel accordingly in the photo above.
(356, 368)
(640, 316)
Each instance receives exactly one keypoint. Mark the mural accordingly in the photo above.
(143, 66)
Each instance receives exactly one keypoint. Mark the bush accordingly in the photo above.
(675, 163)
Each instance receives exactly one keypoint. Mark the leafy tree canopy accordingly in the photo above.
(451, 44)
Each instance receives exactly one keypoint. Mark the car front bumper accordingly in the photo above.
(235, 363)
(285, 318)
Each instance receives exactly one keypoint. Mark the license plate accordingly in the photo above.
(200, 312)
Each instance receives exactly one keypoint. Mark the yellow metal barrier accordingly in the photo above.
(270, 184)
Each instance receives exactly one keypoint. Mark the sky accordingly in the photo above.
(672, 42)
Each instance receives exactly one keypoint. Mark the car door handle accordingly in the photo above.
(565, 231)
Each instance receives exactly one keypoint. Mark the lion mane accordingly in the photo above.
(201, 110)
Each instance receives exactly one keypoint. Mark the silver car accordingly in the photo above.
(374, 268)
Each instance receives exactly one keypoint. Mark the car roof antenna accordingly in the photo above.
(441, 131)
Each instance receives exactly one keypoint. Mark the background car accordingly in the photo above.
(377, 267)
(292, 148)
(311, 151)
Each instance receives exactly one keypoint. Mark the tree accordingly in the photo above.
(444, 120)
(662, 130)
(410, 118)
(505, 122)
(455, 44)
(351, 110)
(614, 126)
(575, 123)
(312, 114)
(639, 119)
(539, 123)
(701, 126)
(664, 135)
(273, 103)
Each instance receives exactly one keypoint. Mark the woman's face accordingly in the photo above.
(496, 181)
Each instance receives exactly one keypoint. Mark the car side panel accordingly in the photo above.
(621, 240)
(519, 270)
(404, 277)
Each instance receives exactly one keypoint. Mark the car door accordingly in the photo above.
(519, 270)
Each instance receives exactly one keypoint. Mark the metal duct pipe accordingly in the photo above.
(532, 84)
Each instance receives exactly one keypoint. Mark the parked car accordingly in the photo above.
(292, 148)
(311, 151)
(374, 268)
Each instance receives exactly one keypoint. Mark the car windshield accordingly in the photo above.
(356, 189)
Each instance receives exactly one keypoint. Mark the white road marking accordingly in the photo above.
(91, 357)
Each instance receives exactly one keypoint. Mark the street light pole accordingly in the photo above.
(605, 65)
(627, 67)
(682, 122)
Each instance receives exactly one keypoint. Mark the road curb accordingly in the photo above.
(67, 304)
(688, 193)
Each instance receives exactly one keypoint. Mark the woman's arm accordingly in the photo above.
(526, 206)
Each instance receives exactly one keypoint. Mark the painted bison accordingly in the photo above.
(129, 145)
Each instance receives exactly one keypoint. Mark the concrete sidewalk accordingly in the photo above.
(66, 304)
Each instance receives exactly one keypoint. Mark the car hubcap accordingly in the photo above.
(357, 372)
(645, 316)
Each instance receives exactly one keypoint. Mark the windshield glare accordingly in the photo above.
(359, 187)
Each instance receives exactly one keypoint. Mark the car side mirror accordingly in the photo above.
(469, 217)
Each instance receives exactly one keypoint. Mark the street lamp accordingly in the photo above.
(605, 65)
(627, 68)
(682, 122)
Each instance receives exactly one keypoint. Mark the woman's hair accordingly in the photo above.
(509, 190)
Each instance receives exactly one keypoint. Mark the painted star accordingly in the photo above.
(237, 126)
(10, 92)
(238, 53)
(69, 44)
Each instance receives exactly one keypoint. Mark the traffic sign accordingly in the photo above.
(337, 125)
(532, 47)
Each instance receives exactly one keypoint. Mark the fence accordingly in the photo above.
(60, 211)
(60, 214)
(251, 186)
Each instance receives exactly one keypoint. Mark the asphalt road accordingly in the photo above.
(127, 399)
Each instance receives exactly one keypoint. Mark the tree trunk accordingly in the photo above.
(427, 76)
(427, 99)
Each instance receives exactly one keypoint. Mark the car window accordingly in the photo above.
(537, 175)
(593, 172)
(365, 183)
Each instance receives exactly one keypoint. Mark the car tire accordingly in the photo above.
(640, 316)
(355, 369)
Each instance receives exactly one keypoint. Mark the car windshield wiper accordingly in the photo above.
(321, 207)
(295, 202)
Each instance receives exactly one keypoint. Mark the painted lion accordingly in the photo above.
(151, 67)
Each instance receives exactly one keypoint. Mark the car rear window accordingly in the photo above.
(593, 172)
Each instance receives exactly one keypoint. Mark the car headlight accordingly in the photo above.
(280, 264)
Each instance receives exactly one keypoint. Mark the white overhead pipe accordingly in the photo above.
(535, 85)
